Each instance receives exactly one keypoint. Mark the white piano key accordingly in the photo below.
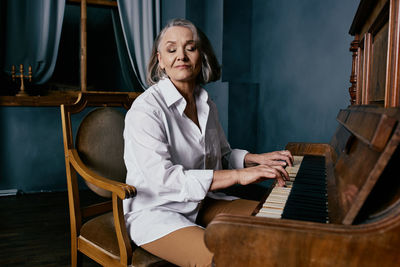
(273, 205)
(268, 215)
(276, 201)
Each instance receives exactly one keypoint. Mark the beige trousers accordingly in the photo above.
(186, 247)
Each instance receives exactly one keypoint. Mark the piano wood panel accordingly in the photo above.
(371, 178)
(392, 92)
(253, 241)
(339, 139)
(384, 195)
(378, 69)
(351, 173)
(319, 149)
(375, 134)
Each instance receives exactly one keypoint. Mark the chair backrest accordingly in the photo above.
(99, 142)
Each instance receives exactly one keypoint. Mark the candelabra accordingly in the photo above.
(22, 76)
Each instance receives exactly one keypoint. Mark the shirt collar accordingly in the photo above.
(171, 94)
(201, 93)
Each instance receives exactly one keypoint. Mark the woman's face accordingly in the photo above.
(179, 56)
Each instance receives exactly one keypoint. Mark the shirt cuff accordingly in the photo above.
(236, 159)
(200, 182)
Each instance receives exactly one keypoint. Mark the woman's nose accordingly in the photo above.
(181, 54)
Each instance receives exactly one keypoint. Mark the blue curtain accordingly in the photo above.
(128, 74)
(33, 30)
(140, 22)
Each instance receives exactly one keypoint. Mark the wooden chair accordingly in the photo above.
(99, 230)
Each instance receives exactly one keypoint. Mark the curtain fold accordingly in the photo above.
(33, 31)
(128, 73)
(140, 22)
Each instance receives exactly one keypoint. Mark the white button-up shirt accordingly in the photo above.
(170, 160)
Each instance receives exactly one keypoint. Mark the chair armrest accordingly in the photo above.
(122, 190)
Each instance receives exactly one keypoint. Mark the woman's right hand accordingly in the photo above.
(260, 173)
(225, 178)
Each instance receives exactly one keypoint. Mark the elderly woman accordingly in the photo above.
(177, 155)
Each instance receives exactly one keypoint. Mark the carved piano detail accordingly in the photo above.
(376, 54)
(360, 174)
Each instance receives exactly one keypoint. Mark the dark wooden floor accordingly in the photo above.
(34, 230)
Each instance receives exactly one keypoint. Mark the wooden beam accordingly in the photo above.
(103, 3)
(392, 90)
(83, 46)
(51, 99)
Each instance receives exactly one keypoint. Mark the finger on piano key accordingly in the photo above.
(308, 200)
(288, 184)
(297, 160)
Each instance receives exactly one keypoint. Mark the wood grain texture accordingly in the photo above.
(36, 231)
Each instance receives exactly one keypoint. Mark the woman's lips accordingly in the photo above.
(182, 67)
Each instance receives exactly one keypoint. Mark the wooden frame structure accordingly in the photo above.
(376, 54)
(83, 31)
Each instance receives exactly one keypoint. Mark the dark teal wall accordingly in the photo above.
(301, 59)
(32, 153)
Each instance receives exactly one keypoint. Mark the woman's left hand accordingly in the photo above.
(277, 158)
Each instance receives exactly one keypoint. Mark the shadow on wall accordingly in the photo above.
(301, 59)
(243, 115)
(32, 156)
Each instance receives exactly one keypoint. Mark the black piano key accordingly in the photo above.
(305, 207)
(309, 187)
(306, 212)
(306, 218)
(308, 194)
(308, 201)
(300, 211)
(308, 198)
(308, 180)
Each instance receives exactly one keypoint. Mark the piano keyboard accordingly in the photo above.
(304, 196)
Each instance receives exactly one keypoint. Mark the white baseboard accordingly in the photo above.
(8, 192)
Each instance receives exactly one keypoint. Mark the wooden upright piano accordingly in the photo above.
(357, 173)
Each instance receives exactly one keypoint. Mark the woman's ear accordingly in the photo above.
(160, 63)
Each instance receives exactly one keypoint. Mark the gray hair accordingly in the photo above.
(210, 68)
